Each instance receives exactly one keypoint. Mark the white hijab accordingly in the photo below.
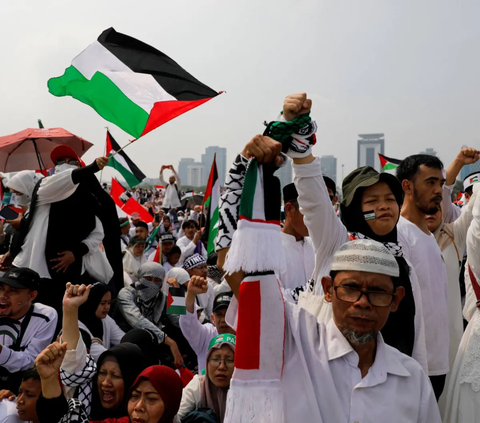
(131, 263)
(24, 182)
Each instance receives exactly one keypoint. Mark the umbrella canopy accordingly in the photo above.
(191, 201)
(31, 148)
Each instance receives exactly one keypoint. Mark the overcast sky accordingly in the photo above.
(408, 68)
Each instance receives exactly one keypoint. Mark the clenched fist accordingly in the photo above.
(295, 105)
(197, 285)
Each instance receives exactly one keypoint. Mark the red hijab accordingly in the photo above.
(168, 384)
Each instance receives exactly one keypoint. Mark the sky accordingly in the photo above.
(408, 69)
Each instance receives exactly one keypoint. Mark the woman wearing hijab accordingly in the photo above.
(165, 226)
(93, 317)
(147, 341)
(133, 259)
(141, 306)
(210, 390)
(23, 185)
(153, 397)
(101, 388)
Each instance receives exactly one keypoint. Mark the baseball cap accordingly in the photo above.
(22, 278)
(63, 150)
(167, 238)
(222, 300)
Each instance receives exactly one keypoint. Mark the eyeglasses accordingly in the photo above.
(352, 295)
(73, 162)
(216, 361)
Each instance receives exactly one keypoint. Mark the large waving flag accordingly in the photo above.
(130, 83)
(211, 202)
(388, 163)
(121, 162)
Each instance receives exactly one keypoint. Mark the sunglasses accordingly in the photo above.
(73, 162)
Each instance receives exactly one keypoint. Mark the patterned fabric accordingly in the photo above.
(295, 293)
(230, 203)
(394, 247)
(82, 381)
(76, 412)
(194, 261)
(149, 296)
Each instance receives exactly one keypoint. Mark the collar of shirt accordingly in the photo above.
(385, 362)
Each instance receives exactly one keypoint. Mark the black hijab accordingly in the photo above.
(147, 341)
(131, 361)
(399, 331)
(86, 312)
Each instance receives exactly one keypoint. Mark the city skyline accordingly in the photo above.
(195, 174)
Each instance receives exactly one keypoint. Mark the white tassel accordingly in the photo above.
(254, 402)
(256, 247)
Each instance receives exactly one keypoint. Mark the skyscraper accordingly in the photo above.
(196, 175)
(285, 173)
(329, 167)
(183, 169)
(368, 147)
(207, 160)
(429, 151)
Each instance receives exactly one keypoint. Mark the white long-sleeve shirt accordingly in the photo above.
(171, 192)
(299, 261)
(328, 234)
(188, 248)
(198, 336)
(191, 399)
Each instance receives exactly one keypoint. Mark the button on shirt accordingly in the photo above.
(322, 381)
(299, 261)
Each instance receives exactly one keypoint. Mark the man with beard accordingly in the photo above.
(171, 198)
(422, 180)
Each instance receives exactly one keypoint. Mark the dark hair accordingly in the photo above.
(294, 203)
(189, 223)
(469, 190)
(175, 250)
(212, 259)
(408, 167)
(31, 373)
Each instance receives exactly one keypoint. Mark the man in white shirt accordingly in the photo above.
(25, 328)
(299, 253)
(422, 180)
(171, 198)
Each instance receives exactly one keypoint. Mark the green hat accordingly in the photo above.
(367, 176)
(136, 240)
(225, 338)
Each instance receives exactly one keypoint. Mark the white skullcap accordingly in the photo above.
(365, 255)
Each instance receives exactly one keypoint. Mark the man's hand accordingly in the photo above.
(48, 362)
(173, 282)
(102, 162)
(5, 393)
(75, 295)
(468, 155)
(295, 105)
(66, 259)
(177, 356)
(6, 261)
(16, 223)
(197, 285)
(264, 149)
(198, 236)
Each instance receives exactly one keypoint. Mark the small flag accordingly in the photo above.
(130, 206)
(40, 124)
(388, 163)
(159, 187)
(176, 301)
(151, 238)
(156, 258)
(121, 162)
(188, 194)
(211, 201)
(130, 83)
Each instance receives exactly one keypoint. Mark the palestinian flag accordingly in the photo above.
(128, 205)
(176, 301)
(388, 163)
(211, 201)
(130, 83)
(121, 162)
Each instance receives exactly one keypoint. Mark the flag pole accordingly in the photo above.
(124, 147)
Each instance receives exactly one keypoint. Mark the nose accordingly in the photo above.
(20, 398)
(222, 366)
(139, 406)
(363, 302)
(107, 381)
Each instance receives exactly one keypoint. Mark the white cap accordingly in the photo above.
(365, 255)
(474, 178)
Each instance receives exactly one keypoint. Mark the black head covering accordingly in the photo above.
(86, 312)
(147, 341)
(131, 362)
(289, 193)
(351, 208)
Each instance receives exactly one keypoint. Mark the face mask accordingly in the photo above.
(22, 200)
(63, 167)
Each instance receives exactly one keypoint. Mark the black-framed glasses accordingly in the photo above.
(73, 162)
(216, 361)
(350, 294)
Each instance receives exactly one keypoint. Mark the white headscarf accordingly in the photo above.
(131, 263)
(24, 182)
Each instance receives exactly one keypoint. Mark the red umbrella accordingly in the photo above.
(30, 148)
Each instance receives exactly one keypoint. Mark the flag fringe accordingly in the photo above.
(255, 247)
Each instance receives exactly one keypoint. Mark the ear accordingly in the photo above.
(289, 208)
(399, 294)
(33, 295)
(407, 186)
(212, 318)
(327, 285)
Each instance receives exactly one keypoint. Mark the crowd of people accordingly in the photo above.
(372, 315)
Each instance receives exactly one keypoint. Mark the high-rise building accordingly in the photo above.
(429, 151)
(368, 147)
(207, 160)
(329, 167)
(196, 175)
(285, 173)
(183, 170)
